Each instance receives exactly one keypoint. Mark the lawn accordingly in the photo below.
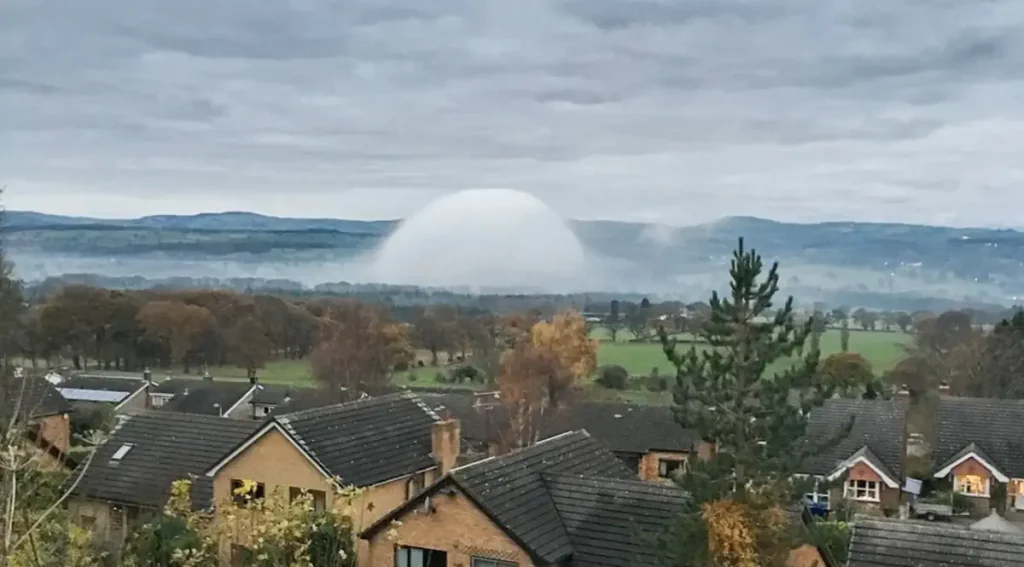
(882, 349)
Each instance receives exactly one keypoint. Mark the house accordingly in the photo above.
(204, 397)
(123, 394)
(271, 398)
(130, 476)
(647, 438)
(861, 444)
(389, 446)
(34, 402)
(979, 446)
(879, 542)
(564, 501)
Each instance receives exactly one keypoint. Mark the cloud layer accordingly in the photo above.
(675, 111)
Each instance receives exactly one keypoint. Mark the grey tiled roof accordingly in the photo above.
(368, 441)
(512, 491)
(895, 543)
(204, 397)
(32, 396)
(612, 523)
(622, 428)
(167, 447)
(993, 425)
(879, 425)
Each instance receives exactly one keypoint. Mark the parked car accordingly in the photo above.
(816, 504)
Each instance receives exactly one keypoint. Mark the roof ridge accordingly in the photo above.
(643, 485)
(325, 410)
(520, 450)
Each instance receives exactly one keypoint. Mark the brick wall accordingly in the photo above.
(456, 526)
(57, 430)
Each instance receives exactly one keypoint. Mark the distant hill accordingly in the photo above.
(864, 262)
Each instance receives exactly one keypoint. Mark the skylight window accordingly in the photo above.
(122, 452)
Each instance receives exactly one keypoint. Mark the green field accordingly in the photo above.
(883, 350)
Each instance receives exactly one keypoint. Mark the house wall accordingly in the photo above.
(242, 408)
(57, 430)
(86, 512)
(980, 505)
(456, 526)
(279, 465)
(889, 498)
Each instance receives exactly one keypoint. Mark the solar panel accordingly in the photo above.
(122, 452)
(92, 395)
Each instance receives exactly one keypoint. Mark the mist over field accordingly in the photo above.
(523, 247)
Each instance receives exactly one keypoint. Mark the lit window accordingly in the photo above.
(669, 469)
(243, 491)
(865, 490)
(971, 485)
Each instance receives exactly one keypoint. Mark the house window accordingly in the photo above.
(484, 562)
(243, 492)
(418, 557)
(971, 485)
(864, 490)
(86, 521)
(319, 498)
(415, 485)
(670, 469)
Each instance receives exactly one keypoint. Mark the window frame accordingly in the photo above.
(958, 486)
(679, 465)
(851, 490)
(408, 550)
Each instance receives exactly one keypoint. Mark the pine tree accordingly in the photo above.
(725, 391)
(844, 336)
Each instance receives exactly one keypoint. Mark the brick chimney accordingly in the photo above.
(903, 393)
(444, 443)
(944, 389)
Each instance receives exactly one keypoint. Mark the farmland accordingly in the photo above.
(882, 349)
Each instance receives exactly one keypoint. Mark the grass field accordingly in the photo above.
(883, 350)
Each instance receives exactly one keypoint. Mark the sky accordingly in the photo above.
(667, 111)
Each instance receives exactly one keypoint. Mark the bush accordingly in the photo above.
(466, 372)
(420, 363)
(613, 376)
(401, 366)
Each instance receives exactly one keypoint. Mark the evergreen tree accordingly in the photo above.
(844, 336)
(725, 391)
(749, 392)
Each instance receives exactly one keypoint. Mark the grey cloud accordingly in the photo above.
(671, 111)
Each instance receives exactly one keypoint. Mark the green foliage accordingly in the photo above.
(725, 393)
(160, 544)
(613, 376)
(466, 372)
(832, 537)
(844, 336)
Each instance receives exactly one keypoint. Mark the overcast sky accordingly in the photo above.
(676, 111)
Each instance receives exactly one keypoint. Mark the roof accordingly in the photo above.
(611, 522)
(877, 425)
(992, 425)
(166, 447)
(621, 427)
(33, 396)
(205, 397)
(877, 542)
(996, 523)
(103, 383)
(564, 497)
(365, 442)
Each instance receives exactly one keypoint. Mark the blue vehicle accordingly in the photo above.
(816, 504)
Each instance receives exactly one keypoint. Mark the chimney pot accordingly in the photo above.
(944, 389)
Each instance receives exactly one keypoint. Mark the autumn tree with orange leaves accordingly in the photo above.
(536, 375)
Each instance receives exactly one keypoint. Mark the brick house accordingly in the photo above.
(647, 438)
(867, 462)
(221, 398)
(564, 501)
(390, 446)
(42, 412)
(979, 447)
(130, 476)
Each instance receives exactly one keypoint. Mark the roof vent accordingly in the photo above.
(120, 453)
(618, 416)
